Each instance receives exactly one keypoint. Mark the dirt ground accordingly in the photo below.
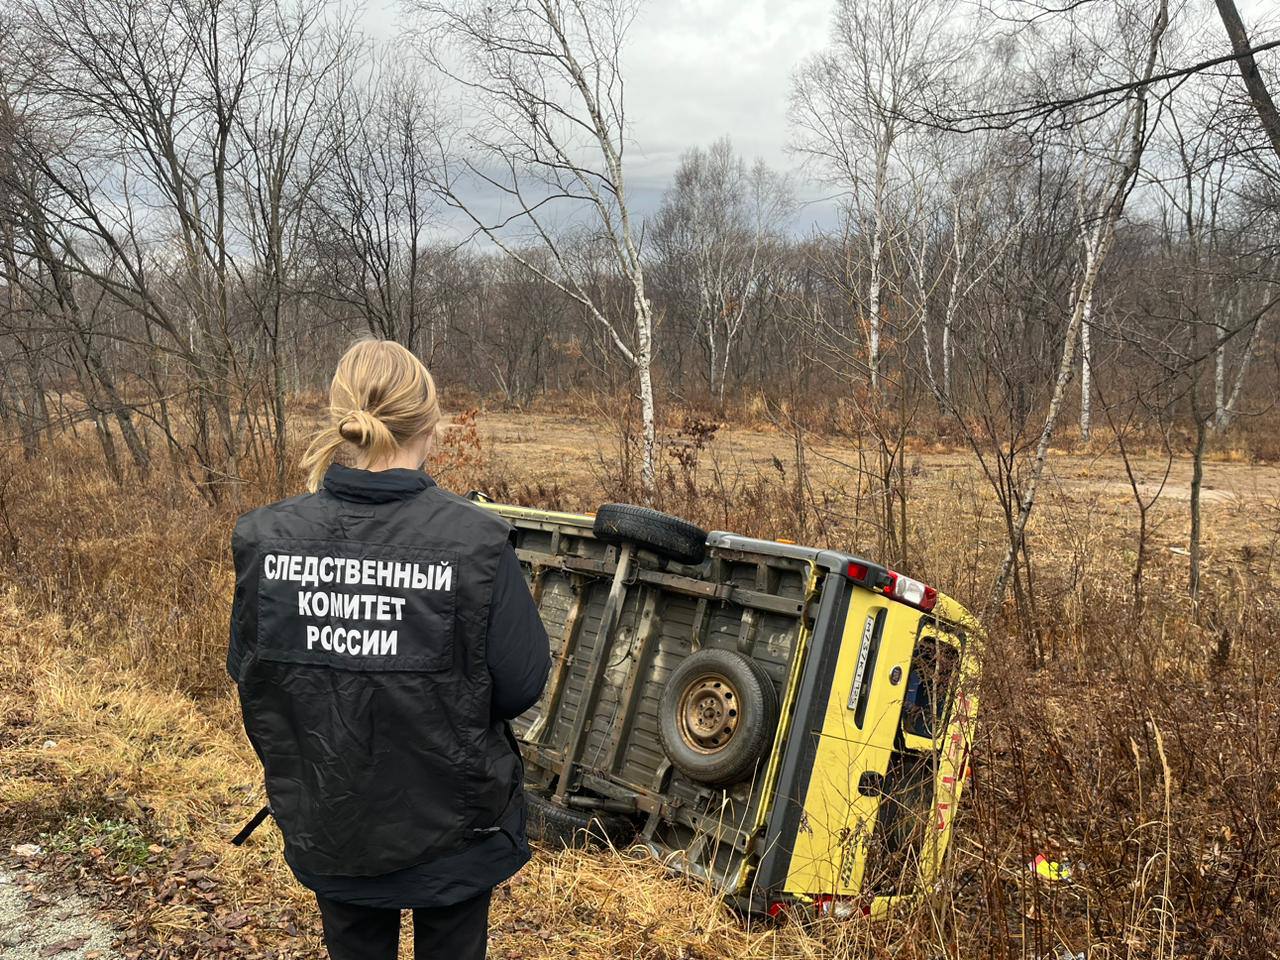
(1241, 501)
(35, 926)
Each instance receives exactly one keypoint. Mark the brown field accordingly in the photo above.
(1144, 750)
(1241, 499)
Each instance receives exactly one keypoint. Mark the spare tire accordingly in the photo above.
(662, 533)
(717, 716)
(564, 827)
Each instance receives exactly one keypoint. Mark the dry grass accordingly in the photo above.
(1138, 752)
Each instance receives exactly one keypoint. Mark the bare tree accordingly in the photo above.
(1130, 137)
(546, 80)
(375, 205)
(716, 234)
(518, 334)
(138, 104)
(1247, 62)
(279, 163)
(849, 108)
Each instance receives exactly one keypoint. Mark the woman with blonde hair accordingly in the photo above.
(382, 636)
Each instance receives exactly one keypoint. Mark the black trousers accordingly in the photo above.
(456, 932)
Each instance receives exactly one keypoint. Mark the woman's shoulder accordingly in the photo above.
(476, 515)
(267, 514)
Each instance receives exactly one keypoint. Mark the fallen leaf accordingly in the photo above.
(64, 946)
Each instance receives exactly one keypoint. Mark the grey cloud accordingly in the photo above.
(700, 70)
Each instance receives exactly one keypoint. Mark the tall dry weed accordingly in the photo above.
(1144, 753)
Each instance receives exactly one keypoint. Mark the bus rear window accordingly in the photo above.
(930, 684)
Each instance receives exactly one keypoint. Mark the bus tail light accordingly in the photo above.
(912, 592)
(892, 584)
(823, 905)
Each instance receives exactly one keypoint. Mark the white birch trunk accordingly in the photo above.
(1086, 368)
(711, 354)
(1220, 385)
(926, 327)
(926, 337)
(724, 369)
(1096, 252)
(1093, 261)
(873, 310)
(644, 369)
(953, 298)
(1227, 410)
(946, 355)
(948, 320)
(877, 250)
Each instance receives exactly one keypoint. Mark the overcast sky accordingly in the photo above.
(698, 70)
(701, 69)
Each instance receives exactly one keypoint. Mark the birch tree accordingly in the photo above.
(960, 235)
(1263, 102)
(542, 88)
(850, 106)
(1251, 310)
(1128, 141)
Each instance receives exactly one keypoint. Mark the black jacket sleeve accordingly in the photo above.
(233, 647)
(518, 652)
(239, 641)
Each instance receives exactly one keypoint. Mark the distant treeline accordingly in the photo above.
(202, 203)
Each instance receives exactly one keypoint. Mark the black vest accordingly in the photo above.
(363, 678)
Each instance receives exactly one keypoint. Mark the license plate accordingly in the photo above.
(868, 632)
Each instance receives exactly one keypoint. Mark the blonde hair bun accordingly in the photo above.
(381, 398)
(359, 427)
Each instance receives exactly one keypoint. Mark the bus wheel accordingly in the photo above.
(662, 533)
(565, 828)
(718, 716)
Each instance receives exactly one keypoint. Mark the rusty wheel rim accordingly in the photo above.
(708, 713)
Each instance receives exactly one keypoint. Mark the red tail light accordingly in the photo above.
(895, 585)
(822, 905)
(866, 574)
(912, 592)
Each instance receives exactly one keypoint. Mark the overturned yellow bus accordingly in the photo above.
(789, 724)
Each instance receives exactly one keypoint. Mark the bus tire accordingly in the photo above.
(662, 533)
(718, 716)
(566, 828)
